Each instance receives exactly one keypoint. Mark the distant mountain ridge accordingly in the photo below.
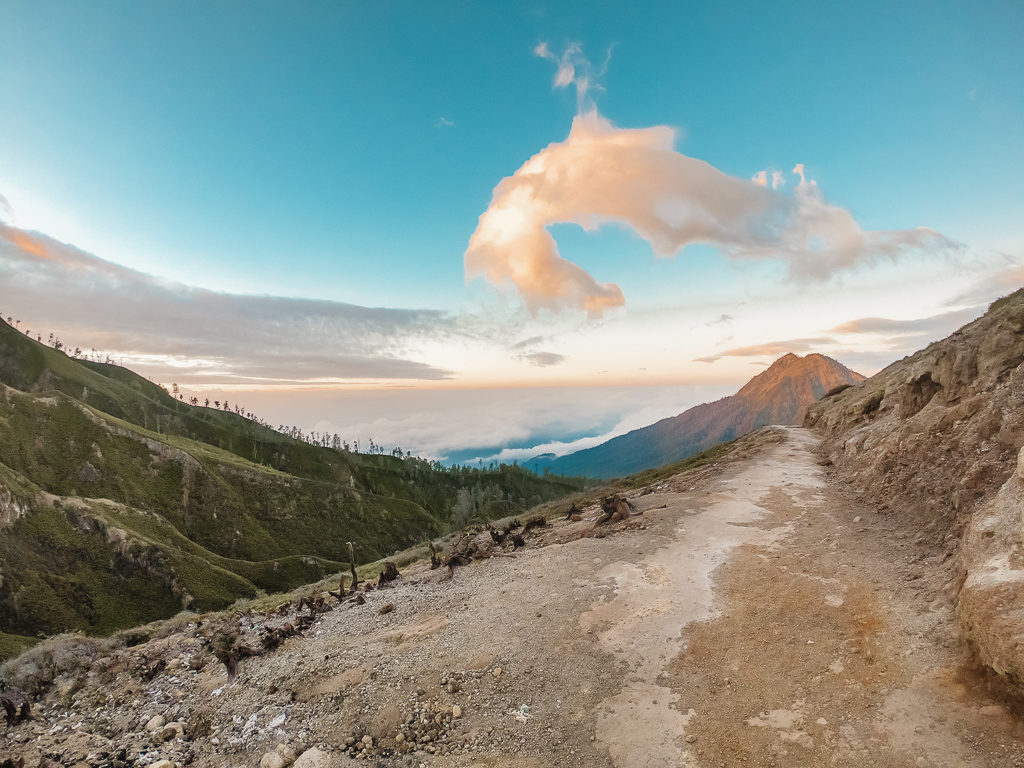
(782, 394)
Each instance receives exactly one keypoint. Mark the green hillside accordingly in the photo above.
(120, 505)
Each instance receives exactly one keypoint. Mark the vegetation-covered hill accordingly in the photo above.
(120, 504)
(779, 395)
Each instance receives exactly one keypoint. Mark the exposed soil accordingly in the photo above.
(755, 614)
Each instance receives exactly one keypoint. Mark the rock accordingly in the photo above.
(690, 739)
(313, 758)
(273, 760)
(456, 711)
(992, 595)
(163, 764)
(88, 473)
(171, 731)
(286, 752)
(856, 519)
(496, 672)
(368, 740)
(156, 723)
(281, 757)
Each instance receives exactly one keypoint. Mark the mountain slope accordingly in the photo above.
(119, 504)
(933, 440)
(779, 395)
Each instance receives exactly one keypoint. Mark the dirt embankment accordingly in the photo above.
(932, 440)
(754, 614)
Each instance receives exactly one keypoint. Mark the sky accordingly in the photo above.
(478, 232)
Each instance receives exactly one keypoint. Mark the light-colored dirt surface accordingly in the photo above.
(754, 615)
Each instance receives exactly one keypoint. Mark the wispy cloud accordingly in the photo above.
(935, 325)
(527, 350)
(215, 336)
(993, 286)
(544, 359)
(771, 348)
(602, 173)
(444, 122)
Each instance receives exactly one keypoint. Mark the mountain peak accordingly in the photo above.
(817, 369)
(780, 394)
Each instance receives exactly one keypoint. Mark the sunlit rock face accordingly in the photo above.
(934, 438)
(991, 605)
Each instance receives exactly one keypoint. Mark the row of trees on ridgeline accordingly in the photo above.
(321, 439)
(77, 353)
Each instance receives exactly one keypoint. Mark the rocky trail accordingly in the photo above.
(755, 614)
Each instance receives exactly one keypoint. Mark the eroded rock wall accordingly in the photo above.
(991, 603)
(934, 439)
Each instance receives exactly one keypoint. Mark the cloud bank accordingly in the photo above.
(219, 338)
(635, 177)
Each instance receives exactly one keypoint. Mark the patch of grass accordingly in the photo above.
(1014, 298)
(13, 645)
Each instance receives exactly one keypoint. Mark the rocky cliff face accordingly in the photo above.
(934, 438)
(991, 603)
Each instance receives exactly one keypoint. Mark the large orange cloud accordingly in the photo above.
(602, 173)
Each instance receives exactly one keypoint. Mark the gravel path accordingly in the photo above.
(753, 615)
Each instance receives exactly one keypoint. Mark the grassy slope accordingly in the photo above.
(160, 505)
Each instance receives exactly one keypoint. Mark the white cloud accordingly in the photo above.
(227, 338)
(602, 174)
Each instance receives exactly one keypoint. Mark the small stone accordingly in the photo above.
(456, 711)
(171, 731)
(286, 752)
(313, 758)
(163, 764)
(496, 672)
(399, 738)
(387, 608)
(368, 740)
(273, 760)
(690, 738)
(156, 723)
(856, 519)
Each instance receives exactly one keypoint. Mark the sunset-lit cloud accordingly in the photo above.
(602, 173)
(771, 348)
(951, 320)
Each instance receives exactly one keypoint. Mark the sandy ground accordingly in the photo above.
(755, 614)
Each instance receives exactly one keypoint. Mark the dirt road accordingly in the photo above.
(753, 615)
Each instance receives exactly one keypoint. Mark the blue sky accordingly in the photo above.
(345, 151)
